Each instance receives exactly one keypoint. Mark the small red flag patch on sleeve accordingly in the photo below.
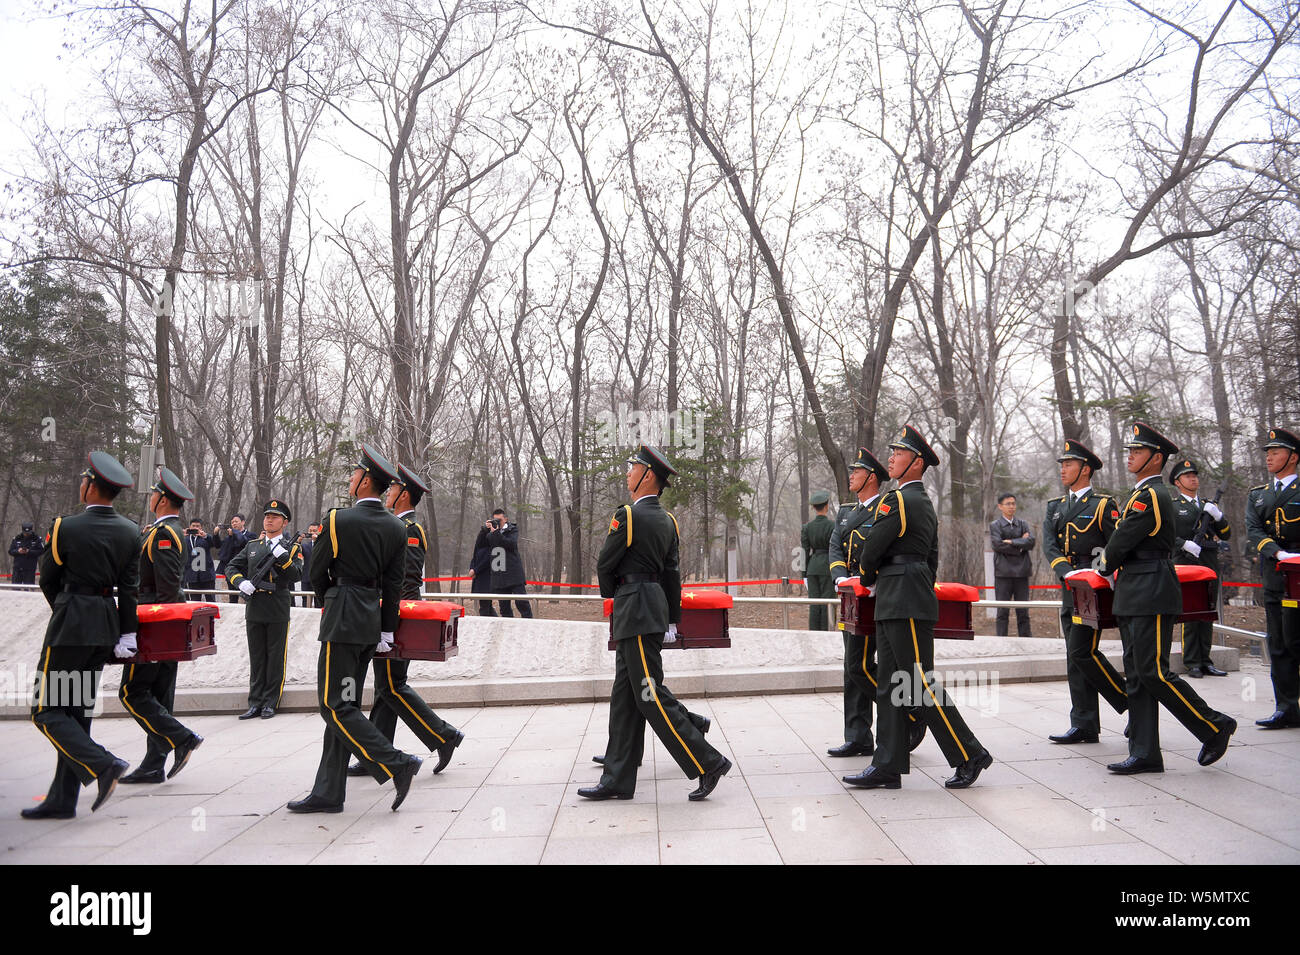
(883, 509)
(413, 542)
(164, 544)
(1139, 506)
(613, 525)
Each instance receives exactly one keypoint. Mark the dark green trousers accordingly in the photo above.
(819, 585)
(1089, 675)
(268, 649)
(395, 698)
(1150, 685)
(639, 697)
(859, 687)
(1283, 625)
(340, 681)
(148, 692)
(905, 675)
(67, 681)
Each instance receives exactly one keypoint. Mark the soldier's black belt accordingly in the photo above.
(904, 559)
(639, 579)
(1083, 560)
(88, 591)
(1151, 555)
(365, 583)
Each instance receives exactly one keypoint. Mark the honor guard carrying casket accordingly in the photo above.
(87, 556)
(148, 690)
(1199, 526)
(394, 697)
(1148, 598)
(357, 571)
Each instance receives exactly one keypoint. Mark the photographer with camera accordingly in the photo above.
(199, 571)
(230, 544)
(498, 541)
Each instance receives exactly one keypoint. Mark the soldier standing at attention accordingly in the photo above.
(1198, 636)
(394, 697)
(900, 557)
(357, 573)
(815, 538)
(1273, 529)
(1075, 532)
(638, 568)
(265, 572)
(1148, 598)
(148, 690)
(86, 556)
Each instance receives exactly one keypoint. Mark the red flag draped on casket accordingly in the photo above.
(426, 630)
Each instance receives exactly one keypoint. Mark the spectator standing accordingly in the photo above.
(480, 570)
(506, 564)
(25, 549)
(199, 572)
(230, 545)
(1012, 540)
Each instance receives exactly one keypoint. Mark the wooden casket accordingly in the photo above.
(1093, 596)
(1290, 571)
(704, 622)
(426, 630)
(858, 610)
(174, 632)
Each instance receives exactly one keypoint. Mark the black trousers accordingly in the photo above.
(1012, 588)
(394, 698)
(525, 608)
(66, 685)
(639, 697)
(148, 692)
(859, 687)
(1283, 626)
(268, 655)
(1089, 675)
(1150, 685)
(819, 615)
(905, 675)
(340, 681)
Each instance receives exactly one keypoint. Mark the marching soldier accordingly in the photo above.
(148, 690)
(900, 557)
(1198, 636)
(1273, 530)
(25, 549)
(638, 568)
(1075, 531)
(264, 571)
(357, 571)
(814, 538)
(86, 556)
(1148, 598)
(394, 697)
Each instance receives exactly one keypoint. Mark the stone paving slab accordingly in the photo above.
(510, 796)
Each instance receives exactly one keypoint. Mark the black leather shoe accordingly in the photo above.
(108, 781)
(182, 753)
(915, 733)
(873, 778)
(1211, 670)
(1074, 735)
(1195, 673)
(1280, 720)
(268, 712)
(402, 778)
(708, 725)
(446, 749)
(356, 769)
(1134, 765)
(48, 812)
(250, 713)
(1216, 747)
(709, 781)
(599, 791)
(598, 759)
(851, 749)
(969, 771)
(143, 776)
(314, 804)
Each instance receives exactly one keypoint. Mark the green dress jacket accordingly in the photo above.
(162, 560)
(271, 601)
(1273, 524)
(815, 538)
(88, 554)
(852, 523)
(900, 555)
(357, 568)
(1142, 550)
(641, 544)
(1075, 534)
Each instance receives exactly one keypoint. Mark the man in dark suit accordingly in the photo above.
(507, 566)
(25, 549)
(229, 545)
(1011, 540)
(480, 569)
(1148, 599)
(638, 568)
(1273, 529)
(358, 577)
(900, 557)
(86, 556)
(199, 571)
(1190, 512)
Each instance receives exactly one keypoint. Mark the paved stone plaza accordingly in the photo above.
(510, 794)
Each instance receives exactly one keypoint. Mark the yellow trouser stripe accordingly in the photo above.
(45, 688)
(388, 666)
(655, 694)
(1165, 680)
(865, 670)
(1101, 663)
(325, 699)
(124, 695)
(916, 649)
(284, 667)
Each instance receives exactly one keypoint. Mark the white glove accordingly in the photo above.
(1284, 555)
(871, 590)
(1213, 510)
(385, 642)
(838, 581)
(805, 583)
(279, 550)
(246, 588)
(125, 646)
(671, 635)
(1192, 548)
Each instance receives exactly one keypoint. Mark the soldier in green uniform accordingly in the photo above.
(86, 556)
(814, 539)
(394, 697)
(1273, 531)
(1075, 531)
(265, 572)
(357, 570)
(1198, 636)
(148, 690)
(900, 558)
(1148, 598)
(638, 568)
